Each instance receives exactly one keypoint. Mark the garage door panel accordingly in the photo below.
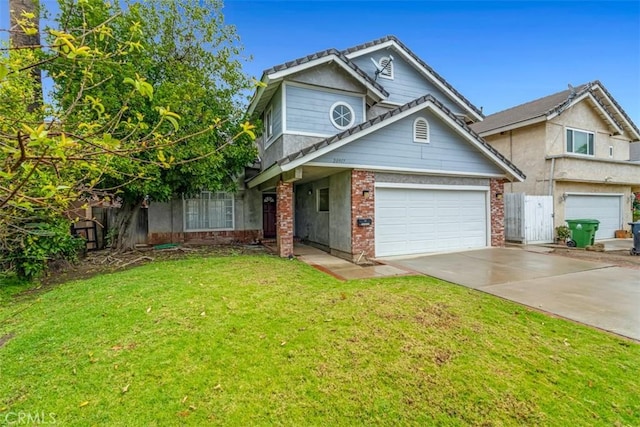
(605, 208)
(410, 221)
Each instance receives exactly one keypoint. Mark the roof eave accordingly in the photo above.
(264, 176)
(635, 132)
(429, 103)
(280, 75)
(409, 57)
(262, 85)
(513, 126)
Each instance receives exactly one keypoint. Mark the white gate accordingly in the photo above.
(528, 219)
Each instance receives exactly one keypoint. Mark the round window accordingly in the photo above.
(342, 115)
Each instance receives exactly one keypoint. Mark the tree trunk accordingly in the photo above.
(125, 224)
(19, 39)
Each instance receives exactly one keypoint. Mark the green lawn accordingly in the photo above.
(256, 340)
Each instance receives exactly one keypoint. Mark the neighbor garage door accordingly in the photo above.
(411, 221)
(605, 208)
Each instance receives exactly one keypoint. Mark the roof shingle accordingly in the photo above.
(419, 61)
(322, 54)
(381, 118)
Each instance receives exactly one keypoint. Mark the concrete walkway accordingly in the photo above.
(596, 294)
(343, 269)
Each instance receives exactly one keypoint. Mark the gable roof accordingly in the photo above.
(548, 107)
(331, 143)
(422, 66)
(278, 72)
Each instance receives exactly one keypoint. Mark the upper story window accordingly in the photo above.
(209, 211)
(342, 115)
(421, 130)
(268, 124)
(386, 67)
(580, 142)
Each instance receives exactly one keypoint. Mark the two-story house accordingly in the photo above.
(573, 145)
(366, 152)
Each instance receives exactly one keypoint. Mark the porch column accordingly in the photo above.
(496, 196)
(363, 206)
(284, 218)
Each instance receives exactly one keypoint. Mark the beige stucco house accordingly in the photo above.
(575, 146)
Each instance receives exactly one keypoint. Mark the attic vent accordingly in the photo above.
(386, 67)
(421, 130)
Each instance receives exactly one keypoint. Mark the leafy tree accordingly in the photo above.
(143, 105)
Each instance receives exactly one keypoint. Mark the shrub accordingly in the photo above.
(563, 233)
(29, 253)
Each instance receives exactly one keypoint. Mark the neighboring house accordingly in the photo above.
(575, 146)
(366, 152)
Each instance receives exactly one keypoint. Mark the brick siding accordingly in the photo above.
(497, 212)
(284, 218)
(226, 237)
(362, 238)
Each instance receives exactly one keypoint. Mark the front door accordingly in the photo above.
(269, 215)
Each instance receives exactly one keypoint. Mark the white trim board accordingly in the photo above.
(404, 170)
(407, 57)
(448, 187)
(428, 104)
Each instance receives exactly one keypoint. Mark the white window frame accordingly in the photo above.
(229, 196)
(268, 124)
(566, 142)
(349, 107)
(388, 69)
(415, 133)
(318, 199)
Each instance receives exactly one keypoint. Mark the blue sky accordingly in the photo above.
(497, 54)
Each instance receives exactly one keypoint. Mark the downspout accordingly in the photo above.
(511, 156)
(553, 165)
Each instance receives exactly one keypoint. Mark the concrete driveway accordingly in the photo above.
(600, 295)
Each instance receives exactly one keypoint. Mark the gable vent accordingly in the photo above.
(420, 130)
(386, 67)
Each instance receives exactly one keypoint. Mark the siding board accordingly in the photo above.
(408, 84)
(308, 109)
(393, 146)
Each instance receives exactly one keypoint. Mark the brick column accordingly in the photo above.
(284, 218)
(362, 206)
(496, 186)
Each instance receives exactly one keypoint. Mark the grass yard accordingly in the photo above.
(257, 340)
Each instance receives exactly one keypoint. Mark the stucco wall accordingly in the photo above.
(329, 229)
(167, 217)
(340, 211)
(525, 148)
(582, 116)
(329, 76)
(310, 224)
(431, 180)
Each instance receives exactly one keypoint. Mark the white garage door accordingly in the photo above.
(411, 221)
(606, 209)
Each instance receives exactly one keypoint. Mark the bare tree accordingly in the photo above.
(24, 32)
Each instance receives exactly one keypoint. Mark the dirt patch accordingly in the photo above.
(100, 262)
(619, 258)
(5, 338)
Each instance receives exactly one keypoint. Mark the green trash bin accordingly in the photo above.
(583, 231)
